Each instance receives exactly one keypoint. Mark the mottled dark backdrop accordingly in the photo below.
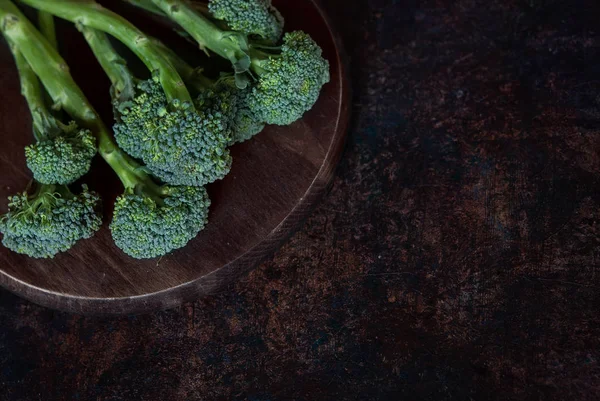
(457, 256)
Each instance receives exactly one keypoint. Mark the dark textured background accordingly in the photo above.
(455, 258)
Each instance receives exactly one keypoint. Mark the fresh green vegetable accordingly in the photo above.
(150, 219)
(252, 17)
(172, 130)
(289, 77)
(256, 18)
(47, 28)
(62, 152)
(49, 220)
(156, 120)
(245, 123)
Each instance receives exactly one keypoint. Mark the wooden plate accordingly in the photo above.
(275, 180)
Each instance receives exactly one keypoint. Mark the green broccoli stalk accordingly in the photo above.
(62, 153)
(255, 18)
(47, 28)
(245, 123)
(156, 119)
(149, 220)
(289, 77)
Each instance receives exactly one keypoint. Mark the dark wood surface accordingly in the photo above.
(455, 257)
(275, 180)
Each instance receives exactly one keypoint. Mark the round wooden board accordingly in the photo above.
(275, 180)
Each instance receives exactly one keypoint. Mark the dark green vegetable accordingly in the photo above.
(245, 124)
(150, 219)
(256, 18)
(157, 119)
(289, 77)
(49, 220)
(62, 152)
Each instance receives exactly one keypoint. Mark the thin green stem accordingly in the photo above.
(150, 7)
(112, 63)
(33, 94)
(191, 76)
(47, 28)
(42, 189)
(201, 7)
(91, 14)
(54, 74)
(204, 31)
(146, 5)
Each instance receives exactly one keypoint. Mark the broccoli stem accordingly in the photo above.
(46, 23)
(236, 48)
(91, 14)
(150, 7)
(146, 5)
(52, 70)
(192, 76)
(38, 198)
(204, 31)
(112, 63)
(34, 96)
(121, 77)
(45, 194)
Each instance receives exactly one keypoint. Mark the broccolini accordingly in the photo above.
(62, 153)
(256, 18)
(289, 77)
(245, 124)
(49, 220)
(157, 120)
(150, 219)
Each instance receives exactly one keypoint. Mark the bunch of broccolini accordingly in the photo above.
(171, 132)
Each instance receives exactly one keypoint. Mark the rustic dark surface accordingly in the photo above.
(455, 258)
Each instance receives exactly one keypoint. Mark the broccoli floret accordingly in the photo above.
(49, 221)
(150, 226)
(182, 146)
(252, 17)
(62, 158)
(289, 78)
(244, 124)
(163, 113)
(62, 152)
(290, 82)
